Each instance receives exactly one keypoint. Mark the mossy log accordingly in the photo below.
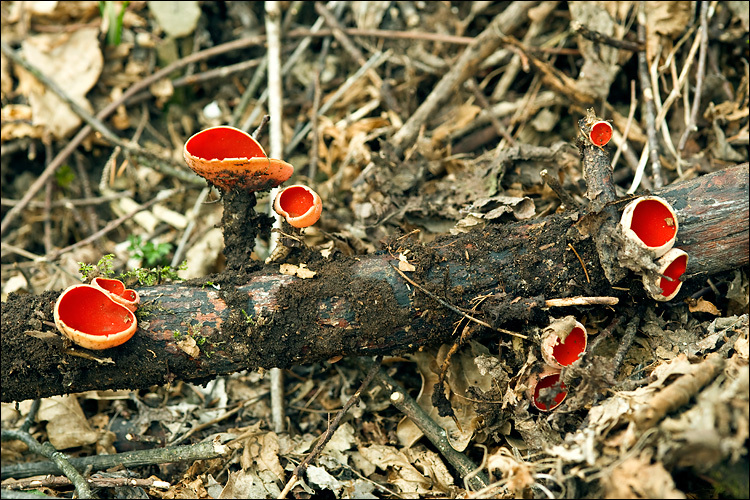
(361, 305)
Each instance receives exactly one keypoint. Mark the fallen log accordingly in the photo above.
(361, 305)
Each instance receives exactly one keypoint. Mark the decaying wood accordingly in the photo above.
(361, 306)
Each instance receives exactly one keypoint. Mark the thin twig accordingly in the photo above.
(479, 49)
(648, 99)
(314, 139)
(436, 434)
(582, 301)
(602, 38)
(291, 61)
(61, 460)
(374, 61)
(700, 74)
(334, 425)
(110, 108)
(179, 252)
(276, 150)
(47, 224)
(114, 224)
(188, 453)
(626, 342)
(554, 183)
(452, 307)
(622, 144)
(581, 261)
(484, 104)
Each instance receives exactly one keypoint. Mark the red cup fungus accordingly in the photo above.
(88, 316)
(601, 133)
(230, 158)
(673, 265)
(117, 292)
(546, 391)
(563, 342)
(651, 222)
(299, 205)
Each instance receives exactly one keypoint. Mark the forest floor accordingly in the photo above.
(402, 123)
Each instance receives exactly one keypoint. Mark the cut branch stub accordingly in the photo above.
(230, 158)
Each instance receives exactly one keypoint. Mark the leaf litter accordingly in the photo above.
(622, 436)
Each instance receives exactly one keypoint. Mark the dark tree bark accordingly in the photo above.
(362, 306)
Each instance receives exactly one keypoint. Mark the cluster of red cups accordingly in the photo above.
(230, 158)
(563, 343)
(97, 316)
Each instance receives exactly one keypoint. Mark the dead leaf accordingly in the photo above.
(405, 265)
(189, 347)
(637, 477)
(67, 426)
(517, 474)
(74, 62)
(702, 305)
(177, 19)
(300, 271)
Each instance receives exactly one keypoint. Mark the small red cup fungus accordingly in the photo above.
(673, 265)
(299, 205)
(563, 342)
(601, 133)
(117, 292)
(651, 222)
(230, 158)
(546, 391)
(88, 316)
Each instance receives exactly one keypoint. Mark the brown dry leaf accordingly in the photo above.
(189, 347)
(74, 62)
(67, 426)
(405, 265)
(517, 474)
(62, 12)
(431, 466)
(601, 64)
(343, 439)
(702, 305)
(247, 484)
(462, 374)
(715, 428)
(665, 21)
(458, 118)
(637, 477)
(300, 271)
(402, 473)
(16, 120)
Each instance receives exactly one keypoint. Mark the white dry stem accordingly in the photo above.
(275, 107)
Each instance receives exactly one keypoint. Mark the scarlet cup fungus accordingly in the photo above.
(546, 381)
(673, 265)
(230, 158)
(651, 222)
(601, 133)
(88, 316)
(563, 342)
(117, 292)
(299, 205)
